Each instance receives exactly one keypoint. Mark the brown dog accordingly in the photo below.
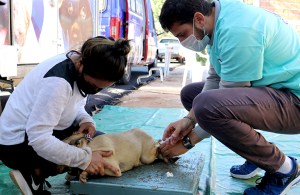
(129, 149)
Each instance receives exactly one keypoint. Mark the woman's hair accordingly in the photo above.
(182, 11)
(104, 58)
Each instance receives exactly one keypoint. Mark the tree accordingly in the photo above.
(156, 8)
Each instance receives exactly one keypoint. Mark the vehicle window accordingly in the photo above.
(172, 41)
(164, 41)
(139, 7)
(132, 5)
(102, 5)
(124, 6)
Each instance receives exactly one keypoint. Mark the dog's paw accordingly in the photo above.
(83, 180)
(110, 173)
(83, 177)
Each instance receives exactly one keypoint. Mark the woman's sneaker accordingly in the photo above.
(244, 171)
(276, 183)
(27, 185)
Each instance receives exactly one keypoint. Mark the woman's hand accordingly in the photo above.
(98, 164)
(87, 128)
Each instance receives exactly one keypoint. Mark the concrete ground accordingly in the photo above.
(166, 94)
(157, 94)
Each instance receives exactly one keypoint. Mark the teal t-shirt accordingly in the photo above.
(252, 44)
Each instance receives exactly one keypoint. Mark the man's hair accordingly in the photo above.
(104, 58)
(182, 11)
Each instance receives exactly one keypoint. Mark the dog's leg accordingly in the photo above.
(111, 160)
(83, 177)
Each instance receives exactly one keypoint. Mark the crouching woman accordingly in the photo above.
(48, 106)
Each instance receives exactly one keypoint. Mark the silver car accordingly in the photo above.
(175, 47)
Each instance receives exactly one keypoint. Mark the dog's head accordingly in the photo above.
(78, 139)
(161, 157)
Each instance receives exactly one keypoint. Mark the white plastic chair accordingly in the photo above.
(194, 69)
(138, 80)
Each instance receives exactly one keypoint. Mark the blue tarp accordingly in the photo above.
(215, 178)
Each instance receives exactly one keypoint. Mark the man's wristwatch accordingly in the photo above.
(187, 142)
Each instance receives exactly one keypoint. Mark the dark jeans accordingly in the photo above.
(231, 115)
(3, 100)
(22, 156)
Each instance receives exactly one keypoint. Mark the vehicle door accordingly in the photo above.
(105, 12)
(150, 50)
(135, 28)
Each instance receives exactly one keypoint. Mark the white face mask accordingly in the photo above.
(194, 44)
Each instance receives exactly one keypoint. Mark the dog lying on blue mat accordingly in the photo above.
(129, 149)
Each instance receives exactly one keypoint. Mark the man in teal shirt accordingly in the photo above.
(253, 83)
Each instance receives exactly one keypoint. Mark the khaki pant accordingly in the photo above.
(231, 115)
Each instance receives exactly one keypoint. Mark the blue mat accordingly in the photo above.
(215, 178)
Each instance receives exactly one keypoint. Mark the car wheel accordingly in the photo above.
(182, 60)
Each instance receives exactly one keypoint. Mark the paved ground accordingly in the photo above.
(166, 94)
(157, 94)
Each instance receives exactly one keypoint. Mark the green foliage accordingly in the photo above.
(200, 57)
(156, 8)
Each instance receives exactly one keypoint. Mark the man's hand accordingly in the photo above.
(87, 128)
(177, 130)
(98, 164)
